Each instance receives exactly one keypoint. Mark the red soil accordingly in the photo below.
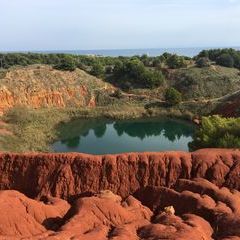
(203, 209)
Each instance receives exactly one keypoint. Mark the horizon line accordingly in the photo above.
(117, 49)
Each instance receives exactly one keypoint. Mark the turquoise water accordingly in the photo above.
(103, 137)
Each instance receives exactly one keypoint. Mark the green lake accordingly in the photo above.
(108, 137)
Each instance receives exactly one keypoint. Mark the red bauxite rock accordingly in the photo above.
(68, 175)
(168, 195)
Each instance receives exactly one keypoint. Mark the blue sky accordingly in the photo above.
(112, 24)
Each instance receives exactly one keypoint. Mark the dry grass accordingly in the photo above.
(35, 130)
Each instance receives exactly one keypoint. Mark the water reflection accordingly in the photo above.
(101, 136)
(172, 130)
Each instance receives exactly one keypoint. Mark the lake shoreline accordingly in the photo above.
(38, 128)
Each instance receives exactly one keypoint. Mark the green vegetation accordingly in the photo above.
(134, 72)
(66, 63)
(217, 132)
(203, 62)
(149, 67)
(174, 61)
(225, 60)
(97, 69)
(173, 96)
(227, 57)
(32, 130)
(206, 82)
(146, 75)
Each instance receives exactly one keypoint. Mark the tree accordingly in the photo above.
(146, 60)
(203, 62)
(152, 79)
(135, 69)
(97, 69)
(175, 61)
(66, 63)
(173, 96)
(118, 68)
(134, 72)
(203, 54)
(225, 60)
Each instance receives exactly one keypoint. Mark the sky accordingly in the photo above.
(118, 24)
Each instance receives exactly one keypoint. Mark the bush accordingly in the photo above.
(66, 63)
(134, 68)
(217, 132)
(203, 62)
(225, 60)
(152, 79)
(97, 70)
(175, 61)
(173, 96)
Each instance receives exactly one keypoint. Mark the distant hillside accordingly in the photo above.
(208, 82)
(42, 86)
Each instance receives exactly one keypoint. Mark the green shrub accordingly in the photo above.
(225, 60)
(66, 63)
(97, 69)
(203, 62)
(173, 96)
(175, 61)
(217, 132)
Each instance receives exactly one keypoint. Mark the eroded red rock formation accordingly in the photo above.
(202, 188)
(68, 175)
(40, 86)
(214, 213)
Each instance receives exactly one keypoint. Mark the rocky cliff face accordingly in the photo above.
(68, 175)
(41, 86)
(168, 195)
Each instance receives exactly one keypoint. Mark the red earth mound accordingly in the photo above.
(174, 195)
(203, 211)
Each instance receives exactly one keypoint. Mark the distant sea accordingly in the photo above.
(190, 52)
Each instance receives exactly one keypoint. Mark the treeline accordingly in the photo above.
(167, 60)
(137, 71)
(142, 70)
(24, 59)
(227, 57)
